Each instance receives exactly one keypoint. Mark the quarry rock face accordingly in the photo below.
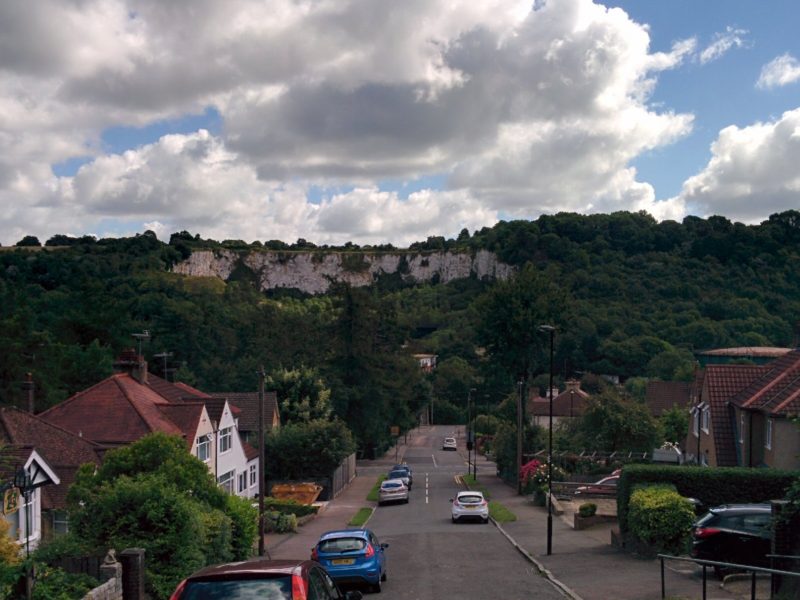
(315, 272)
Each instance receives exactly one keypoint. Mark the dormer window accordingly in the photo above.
(768, 434)
(204, 448)
(706, 419)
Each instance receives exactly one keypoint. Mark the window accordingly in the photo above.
(203, 448)
(768, 435)
(706, 419)
(696, 422)
(225, 481)
(60, 522)
(225, 439)
(25, 516)
(741, 428)
(242, 481)
(253, 475)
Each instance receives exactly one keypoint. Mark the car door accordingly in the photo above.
(319, 586)
(373, 539)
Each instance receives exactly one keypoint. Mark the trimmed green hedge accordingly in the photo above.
(712, 486)
(289, 507)
(661, 517)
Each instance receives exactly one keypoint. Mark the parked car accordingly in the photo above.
(607, 486)
(392, 490)
(405, 467)
(401, 474)
(449, 443)
(469, 505)
(262, 578)
(734, 533)
(352, 556)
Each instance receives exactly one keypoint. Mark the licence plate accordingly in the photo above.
(343, 561)
(471, 507)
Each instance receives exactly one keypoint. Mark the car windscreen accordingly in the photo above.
(470, 499)
(274, 588)
(345, 544)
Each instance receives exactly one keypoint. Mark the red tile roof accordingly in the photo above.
(661, 396)
(185, 415)
(63, 450)
(569, 403)
(777, 390)
(249, 452)
(118, 410)
(723, 382)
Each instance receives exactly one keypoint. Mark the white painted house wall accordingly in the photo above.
(231, 458)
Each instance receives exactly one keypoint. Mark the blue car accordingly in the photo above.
(352, 556)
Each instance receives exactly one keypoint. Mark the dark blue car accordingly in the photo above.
(352, 556)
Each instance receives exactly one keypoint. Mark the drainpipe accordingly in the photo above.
(750, 440)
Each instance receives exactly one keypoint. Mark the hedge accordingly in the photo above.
(661, 517)
(711, 486)
(289, 507)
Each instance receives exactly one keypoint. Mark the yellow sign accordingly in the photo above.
(11, 501)
(395, 430)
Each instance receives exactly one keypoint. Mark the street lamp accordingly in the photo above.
(23, 482)
(551, 331)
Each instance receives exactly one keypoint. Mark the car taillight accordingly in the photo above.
(298, 588)
(702, 533)
(178, 591)
(314, 553)
(370, 552)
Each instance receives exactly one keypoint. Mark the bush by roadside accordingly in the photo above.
(661, 518)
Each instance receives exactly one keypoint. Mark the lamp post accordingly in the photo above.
(472, 436)
(551, 331)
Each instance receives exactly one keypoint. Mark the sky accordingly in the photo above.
(377, 121)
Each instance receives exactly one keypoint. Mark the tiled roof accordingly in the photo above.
(247, 404)
(722, 383)
(777, 390)
(215, 407)
(249, 452)
(185, 415)
(173, 392)
(118, 410)
(661, 396)
(569, 403)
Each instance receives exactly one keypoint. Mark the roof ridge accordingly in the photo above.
(134, 404)
(772, 383)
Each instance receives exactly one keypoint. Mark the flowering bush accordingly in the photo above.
(534, 475)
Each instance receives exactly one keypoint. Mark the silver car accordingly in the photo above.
(392, 490)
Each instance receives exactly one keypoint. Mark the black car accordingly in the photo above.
(734, 533)
(404, 466)
(261, 578)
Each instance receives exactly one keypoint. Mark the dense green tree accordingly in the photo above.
(302, 394)
(307, 449)
(675, 424)
(612, 422)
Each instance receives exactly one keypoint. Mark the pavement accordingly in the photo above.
(583, 564)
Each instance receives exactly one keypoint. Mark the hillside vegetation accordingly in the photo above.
(629, 296)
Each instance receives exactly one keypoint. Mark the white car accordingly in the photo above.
(469, 505)
(449, 443)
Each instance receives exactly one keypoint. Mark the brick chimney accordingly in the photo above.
(134, 365)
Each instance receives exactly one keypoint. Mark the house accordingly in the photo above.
(247, 417)
(427, 362)
(24, 473)
(662, 396)
(64, 451)
(132, 403)
(743, 415)
(566, 405)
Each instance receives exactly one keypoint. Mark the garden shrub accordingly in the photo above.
(56, 584)
(659, 516)
(289, 506)
(280, 523)
(244, 526)
(587, 509)
(218, 534)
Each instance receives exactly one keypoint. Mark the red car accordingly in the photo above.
(262, 578)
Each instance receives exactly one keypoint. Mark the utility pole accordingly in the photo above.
(521, 385)
(549, 329)
(28, 386)
(262, 481)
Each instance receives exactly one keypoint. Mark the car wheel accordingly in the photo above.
(453, 519)
(406, 500)
(486, 520)
(383, 576)
(376, 587)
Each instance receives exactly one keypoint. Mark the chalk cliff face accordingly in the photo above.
(315, 272)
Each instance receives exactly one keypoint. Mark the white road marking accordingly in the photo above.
(426, 488)
(434, 461)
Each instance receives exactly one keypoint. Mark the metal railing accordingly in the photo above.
(725, 565)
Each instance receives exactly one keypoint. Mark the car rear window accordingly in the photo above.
(342, 544)
(391, 485)
(275, 588)
(470, 499)
(398, 474)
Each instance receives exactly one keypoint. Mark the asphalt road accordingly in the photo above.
(429, 557)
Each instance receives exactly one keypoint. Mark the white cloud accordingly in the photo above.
(781, 71)
(722, 43)
(522, 112)
(752, 172)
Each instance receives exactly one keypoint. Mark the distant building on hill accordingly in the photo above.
(757, 355)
